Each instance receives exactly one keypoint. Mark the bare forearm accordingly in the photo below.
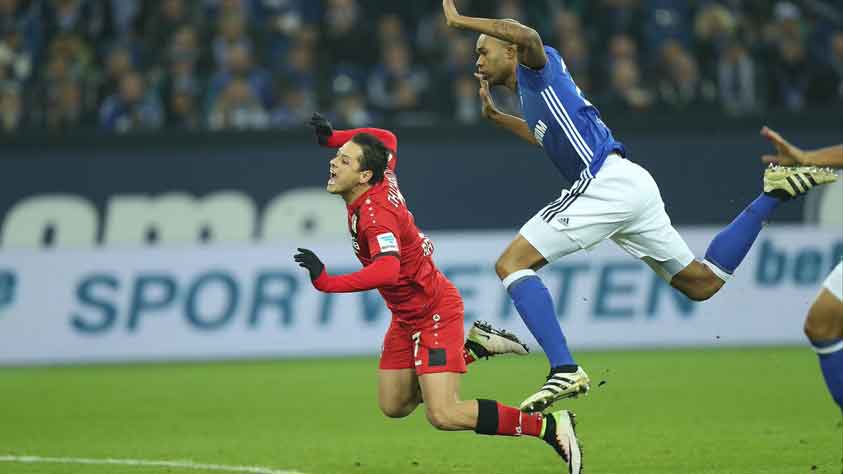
(831, 157)
(517, 126)
(502, 29)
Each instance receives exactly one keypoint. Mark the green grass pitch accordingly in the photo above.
(762, 410)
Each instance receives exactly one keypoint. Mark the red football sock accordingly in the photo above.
(466, 354)
(514, 422)
(494, 418)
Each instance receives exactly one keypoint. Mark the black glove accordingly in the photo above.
(310, 261)
(322, 127)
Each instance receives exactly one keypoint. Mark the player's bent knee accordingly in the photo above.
(699, 286)
(397, 410)
(440, 418)
(820, 324)
(504, 267)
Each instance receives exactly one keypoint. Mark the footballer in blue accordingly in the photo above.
(608, 196)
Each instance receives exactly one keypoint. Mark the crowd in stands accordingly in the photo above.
(131, 65)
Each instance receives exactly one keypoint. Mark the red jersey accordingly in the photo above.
(380, 224)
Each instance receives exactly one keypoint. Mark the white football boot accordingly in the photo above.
(563, 438)
(485, 341)
(559, 385)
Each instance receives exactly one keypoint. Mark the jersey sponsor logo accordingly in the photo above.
(539, 131)
(564, 221)
(387, 242)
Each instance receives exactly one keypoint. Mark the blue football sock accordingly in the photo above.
(534, 304)
(831, 363)
(728, 248)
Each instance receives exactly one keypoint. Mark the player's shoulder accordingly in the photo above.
(378, 206)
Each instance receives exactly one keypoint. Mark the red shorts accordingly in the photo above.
(430, 344)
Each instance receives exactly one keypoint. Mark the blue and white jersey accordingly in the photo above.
(563, 121)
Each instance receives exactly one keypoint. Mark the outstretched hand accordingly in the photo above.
(787, 154)
(485, 94)
(322, 127)
(308, 260)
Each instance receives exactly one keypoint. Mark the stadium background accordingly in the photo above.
(156, 176)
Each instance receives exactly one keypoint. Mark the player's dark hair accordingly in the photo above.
(375, 156)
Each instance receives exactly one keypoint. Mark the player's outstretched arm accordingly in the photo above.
(384, 271)
(530, 46)
(790, 155)
(328, 137)
(516, 125)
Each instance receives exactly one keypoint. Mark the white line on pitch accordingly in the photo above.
(146, 463)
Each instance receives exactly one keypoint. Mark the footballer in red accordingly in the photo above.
(424, 353)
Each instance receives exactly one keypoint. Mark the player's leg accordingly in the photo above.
(516, 268)
(824, 328)
(533, 301)
(728, 248)
(398, 385)
(445, 411)
(398, 392)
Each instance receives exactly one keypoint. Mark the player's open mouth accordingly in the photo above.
(332, 177)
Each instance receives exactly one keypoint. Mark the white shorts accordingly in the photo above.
(834, 282)
(622, 203)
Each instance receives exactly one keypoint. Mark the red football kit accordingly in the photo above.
(426, 332)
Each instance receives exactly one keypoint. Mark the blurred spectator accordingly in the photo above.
(467, 105)
(665, 20)
(578, 60)
(88, 19)
(11, 106)
(300, 66)
(791, 75)
(352, 112)
(238, 108)
(350, 108)
(182, 85)
(681, 84)
(567, 26)
(231, 33)
(75, 52)
(295, 107)
(345, 33)
(391, 30)
(183, 112)
(162, 18)
(513, 9)
(217, 9)
(134, 107)
(66, 108)
(714, 28)
(737, 80)
(626, 91)
(397, 85)
(118, 63)
(240, 66)
(15, 58)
